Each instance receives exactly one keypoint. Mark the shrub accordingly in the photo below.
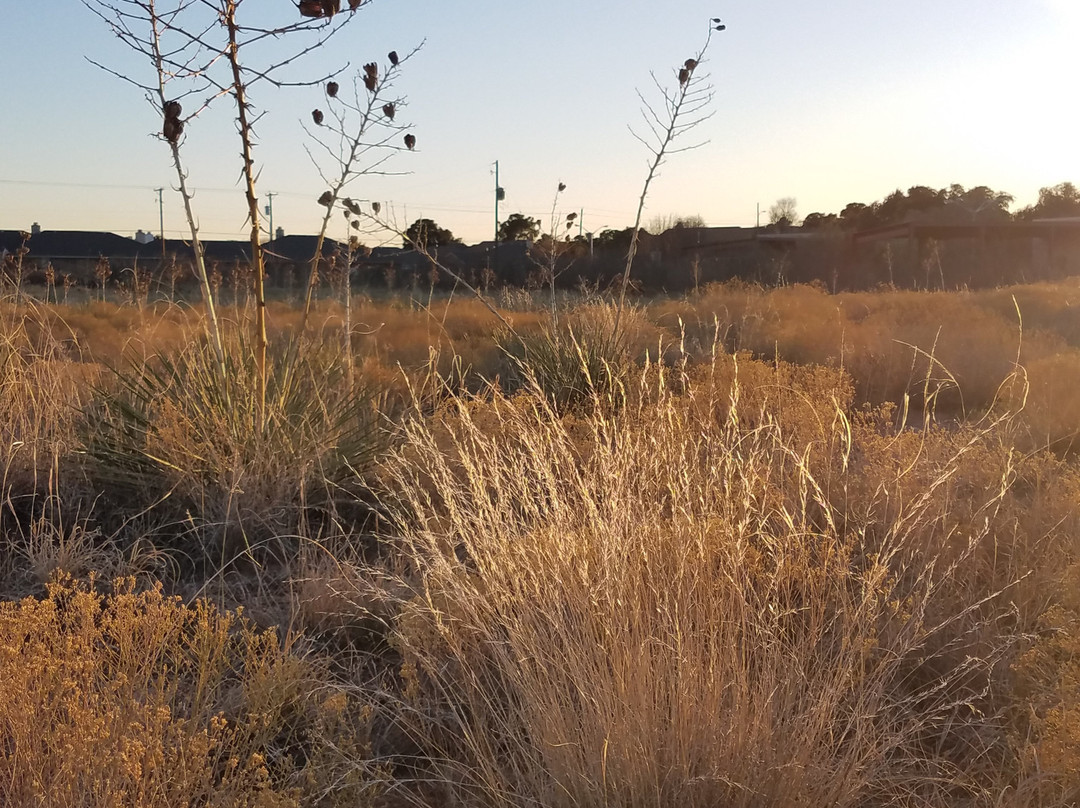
(135, 699)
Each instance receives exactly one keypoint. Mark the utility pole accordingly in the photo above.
(500, 194)
(270, 213)
(161, 219)
(581, 223)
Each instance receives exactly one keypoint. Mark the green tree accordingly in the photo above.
(427, 235)
(519, 227)
(859, 216)
(1058, 200)
(613, 239)
(978, 204)
(820, 221)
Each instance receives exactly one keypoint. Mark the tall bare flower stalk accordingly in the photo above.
(181, 59)
(354, 137)
(684, 108)
(201, 44)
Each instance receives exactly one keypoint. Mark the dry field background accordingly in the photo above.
(774, 547)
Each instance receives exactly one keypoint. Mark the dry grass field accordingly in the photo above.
(770, 547)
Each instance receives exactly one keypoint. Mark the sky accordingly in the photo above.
(829, 103)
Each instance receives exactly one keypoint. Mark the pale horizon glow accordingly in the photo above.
(842, 102)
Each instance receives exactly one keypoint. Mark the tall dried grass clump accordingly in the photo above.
(41, 393)
(135, 699)
(950, 350)
(682, 604)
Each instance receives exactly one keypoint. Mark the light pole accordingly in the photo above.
(161, 220)
(270, 213)
(500, 194)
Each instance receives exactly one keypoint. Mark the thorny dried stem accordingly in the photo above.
(684, 108)
(353, 153)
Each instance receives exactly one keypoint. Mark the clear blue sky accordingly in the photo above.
(826, 102)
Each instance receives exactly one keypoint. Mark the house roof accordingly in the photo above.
(49, 244)
(300, 248)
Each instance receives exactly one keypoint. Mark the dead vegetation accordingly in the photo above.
(796, 549)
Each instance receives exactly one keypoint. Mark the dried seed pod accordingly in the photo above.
(393, 57)
(172, 129)
(371, 69)
(562, 187)
(684, 76)
(369, 82)
(352, 206)
(331, 89)
(317, 116)
(173, 109)
(327, 199)
(410, 142)
(354, 4)
(311, 8)
(375, 206)
(355, 224)
(388, 110)
(571, 216)
(690, 64)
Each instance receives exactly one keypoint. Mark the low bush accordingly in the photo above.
(133, 698)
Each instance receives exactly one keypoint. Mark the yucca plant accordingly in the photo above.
(575, 365)
(173, 429)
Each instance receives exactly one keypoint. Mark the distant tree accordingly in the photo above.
(1058, 200)
(979, 204)
(922, 198)
(519, 227)
(428, 235)
(858, 216)
(613, 239)
(664, 222)
(784, 211)
(690, 221)
(820, 221)
(919, 201)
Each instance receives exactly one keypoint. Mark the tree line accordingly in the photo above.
(952, 205)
